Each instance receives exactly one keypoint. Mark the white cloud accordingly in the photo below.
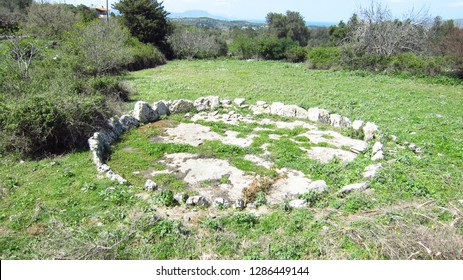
(456, 4)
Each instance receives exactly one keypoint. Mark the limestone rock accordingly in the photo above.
(377, 147)
(277, 108)
(181, 106)
(150, 185)
(181, 198)
(319, 115)
(319, 186)
(226, 102)
(378, 156)
(298, 203)
(354, 187)
(128, 122)
(371, 170)
(370, 131)
(220, 202)
(335, 120)
(240, 101)
(161, 108)
(116, 127)
(261, 103)
(357, 124)
(294, 111)
(144, 113)
(197, 201)
(207, 103)
(258, 110)
(239, 204)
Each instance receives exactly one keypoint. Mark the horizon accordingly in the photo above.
(329, 11)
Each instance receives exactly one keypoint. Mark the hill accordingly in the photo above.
(217, 23)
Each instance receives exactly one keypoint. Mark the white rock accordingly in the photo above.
(370, 131)
(355, 187)
(298, 203)
(144, 113)
(371, 170)
(378, 156)
(261, 103)
(239, 204)
(226, 102)
(220, 202)
(357, 124)
(377, 147)
(319, 186)
(318, 115)
(207, 103)
(277, 108)
(197, 201)
(239, 101)
(335, 120)
(150, 185)
(181, 198)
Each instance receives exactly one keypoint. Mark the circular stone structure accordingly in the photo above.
(217, 180)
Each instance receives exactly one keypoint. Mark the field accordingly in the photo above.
(59, 208)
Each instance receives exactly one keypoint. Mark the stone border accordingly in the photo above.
(100, 142)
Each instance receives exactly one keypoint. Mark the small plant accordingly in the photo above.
(165, 198)
(258, 185)
(260, 199)
(311, 197)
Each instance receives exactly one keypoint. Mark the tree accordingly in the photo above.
(146, 20)
(11, 13)
(377, 33)
(49, 20)
(291, 26)
(192, 42)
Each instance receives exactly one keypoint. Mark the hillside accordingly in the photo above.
(217, 23)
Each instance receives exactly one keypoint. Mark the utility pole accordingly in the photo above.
(107, 12)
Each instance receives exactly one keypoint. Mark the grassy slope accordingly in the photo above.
(42, 201)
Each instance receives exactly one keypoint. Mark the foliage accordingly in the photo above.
(190, 42)
(147, 21)
(291, 26)
(49, 20)
(11, 13)
(324, 57)
(100, 46)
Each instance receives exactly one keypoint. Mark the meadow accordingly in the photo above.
(58, 207)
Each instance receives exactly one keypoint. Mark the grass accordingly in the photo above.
(59, 207)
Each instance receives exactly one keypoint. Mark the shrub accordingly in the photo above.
(143, 55)
(272, 48)
(324, 57)
(296, 54)
(196, 43)
(100, 46)
(417, 64)
(49, 20)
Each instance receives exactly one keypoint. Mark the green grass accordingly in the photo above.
(60, 207)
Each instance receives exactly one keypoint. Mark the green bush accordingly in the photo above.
(143, 56)
(272, 48)
(324, 57)
(418, 64)
(296, 54)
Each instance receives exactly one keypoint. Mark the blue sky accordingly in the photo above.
(325, 10)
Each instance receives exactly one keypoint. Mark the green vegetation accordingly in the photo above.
(55, 91)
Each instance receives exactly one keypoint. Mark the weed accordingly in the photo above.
(164, 198)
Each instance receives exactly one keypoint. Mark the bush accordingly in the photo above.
(324, 58)
(296, 54)
(417, 64)
(190, 42)
(272, 48)
(143, 56)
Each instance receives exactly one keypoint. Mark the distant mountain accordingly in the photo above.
(190, 16)
(195, 14)
(217, 23)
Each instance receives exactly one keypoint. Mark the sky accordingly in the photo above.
(311, 10)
